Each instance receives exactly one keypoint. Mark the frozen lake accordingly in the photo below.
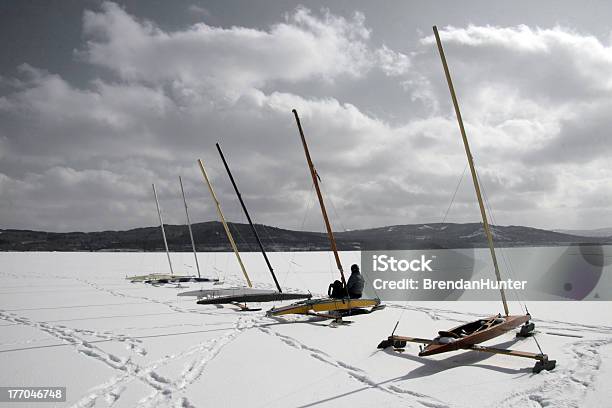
(71, 319)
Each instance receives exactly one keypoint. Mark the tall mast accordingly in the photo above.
(222, 218)
(315, 180)
(195, 254)
(161, 224)
(485, 222)
(246, 212)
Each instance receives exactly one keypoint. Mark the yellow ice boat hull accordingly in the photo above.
(323, 306)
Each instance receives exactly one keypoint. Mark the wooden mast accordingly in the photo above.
(246, 212)
(485, 222)
(315, 180)
(195, 254)
(225, 226)
(161, 223)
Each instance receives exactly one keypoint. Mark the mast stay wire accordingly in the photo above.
(323, 192)
(342, 225)
(403, 309)
(331, 201)
(246, 242)
(291, 261)
(328, 197)
(509, 269)
(443, 221)
(270, 240)
(240, 237)
(309, 207)
(236, 230)
(506, 261)
(508, 265)
(454, 194)
(285, 275)
(275, 245)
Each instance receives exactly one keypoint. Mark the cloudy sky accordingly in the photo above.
(99, 99)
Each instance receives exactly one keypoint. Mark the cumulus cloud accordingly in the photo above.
(534, 102)
(548, 63)
(392, 63)
(548, 90)
(235, 59)
(238, 57)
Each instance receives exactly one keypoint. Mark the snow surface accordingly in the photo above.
(71, 319)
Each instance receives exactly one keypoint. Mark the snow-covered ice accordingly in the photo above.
(71, 319)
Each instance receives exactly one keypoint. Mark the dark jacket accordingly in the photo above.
(354, 285)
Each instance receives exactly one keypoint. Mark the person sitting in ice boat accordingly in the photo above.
(353, 289)
(355, 283)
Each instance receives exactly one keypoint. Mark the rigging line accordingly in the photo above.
(337, 215)
(494, 223)
(309, 206)
(537, 343)
(214, 263)
(269, 236)
(270, 239)
(367, 278)
(331, 201)
(322, 187)
(510, 272)
(454, 194)
(215, 267)
(240, 237)
(401, 315)
(403, 310)
(508, 265)
(331, 266)
(276, 246)
(225, 268)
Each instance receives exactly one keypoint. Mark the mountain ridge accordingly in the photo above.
(210, 237)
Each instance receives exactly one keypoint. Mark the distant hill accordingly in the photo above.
(599, 232)
(210, 237)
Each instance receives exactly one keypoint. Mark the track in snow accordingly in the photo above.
(405, 395)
